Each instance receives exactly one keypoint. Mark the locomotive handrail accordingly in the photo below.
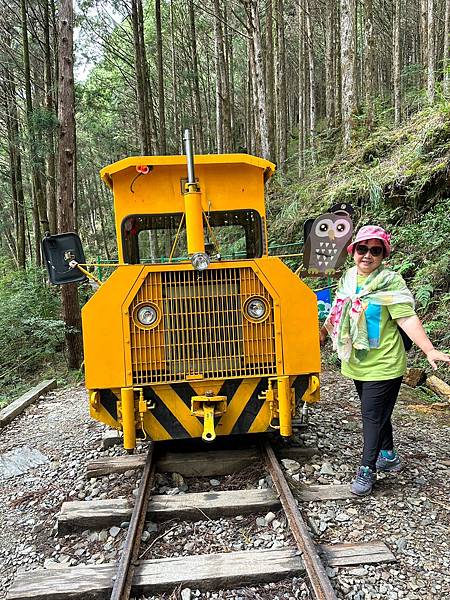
(95, 264)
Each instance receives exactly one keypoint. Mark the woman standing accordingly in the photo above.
(371, 302)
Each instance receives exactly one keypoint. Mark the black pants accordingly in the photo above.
(377, 403)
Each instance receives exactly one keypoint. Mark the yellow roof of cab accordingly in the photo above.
(199, 159)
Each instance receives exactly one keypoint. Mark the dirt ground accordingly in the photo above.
(409, 511)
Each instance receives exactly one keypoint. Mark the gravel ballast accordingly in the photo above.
(409, 511)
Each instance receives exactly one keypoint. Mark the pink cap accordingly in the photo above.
(372, 232)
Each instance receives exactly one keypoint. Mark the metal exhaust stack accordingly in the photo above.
(193, 202)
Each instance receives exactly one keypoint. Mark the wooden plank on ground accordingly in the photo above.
(439, 387)
(15, 408)
(209, 463)
(114, 464)
(191, 464)
(339, 555)
(209, 571)
(94, 513)
(307, 493)
(300, 453)
(194, 506)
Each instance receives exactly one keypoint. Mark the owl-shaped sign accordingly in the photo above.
(326, 243)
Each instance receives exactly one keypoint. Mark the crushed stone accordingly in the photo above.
(409, 511)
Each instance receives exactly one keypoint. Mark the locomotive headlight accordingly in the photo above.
(200, 261)
(146, 315)
(256, 308)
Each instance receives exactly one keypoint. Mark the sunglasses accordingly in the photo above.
(362, 249)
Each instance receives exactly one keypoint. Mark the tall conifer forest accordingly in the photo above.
(350, 99)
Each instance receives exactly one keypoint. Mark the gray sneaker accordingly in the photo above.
(363, 482)
(389, 465)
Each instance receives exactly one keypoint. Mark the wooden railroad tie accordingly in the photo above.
(193, 506)
(209, 571)
(193, 464)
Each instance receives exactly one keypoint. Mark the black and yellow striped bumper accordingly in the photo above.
(169, 413)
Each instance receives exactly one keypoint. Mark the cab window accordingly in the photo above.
(228, 235)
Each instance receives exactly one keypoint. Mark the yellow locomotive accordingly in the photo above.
(214, 338)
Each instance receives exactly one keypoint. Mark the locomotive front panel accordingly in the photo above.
(203, 341)
(203, 344)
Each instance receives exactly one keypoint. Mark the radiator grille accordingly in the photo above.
(202, 331)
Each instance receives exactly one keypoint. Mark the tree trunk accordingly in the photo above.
(208, 129)
(270, 80)
(281, 88)
(330, 24)
(159, 63)
(98, 196)
(337, 68)
(348, 68)
(234, 129)
(312, 83)
(66, 164)
(176, 118)
(301, 89)
(249, 102)
(148, 96)
(257, 69)
(396, 64)
(446, 52)
(145, 135)
(7, 233)
(35, 152)
(219, 78)
(37, 234)
(228, 133)
(28, 237)
(6, 104)
(424, 37)
(15, 161)
(50, 106)
(253, 104)
(431, 57)
(88, 200)
(369, 62)
(200, 143)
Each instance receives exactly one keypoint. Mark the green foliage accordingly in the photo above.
(397, 178)
(403, 267)
(30, 328)
(424, 294)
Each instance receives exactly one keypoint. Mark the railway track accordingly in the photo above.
(132, 576)
(314, 567)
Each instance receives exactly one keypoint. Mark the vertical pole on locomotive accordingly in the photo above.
(193, 202)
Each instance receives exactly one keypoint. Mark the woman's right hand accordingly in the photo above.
(323, 336)
(434, 355)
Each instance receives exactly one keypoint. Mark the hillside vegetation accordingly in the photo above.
(398, 178)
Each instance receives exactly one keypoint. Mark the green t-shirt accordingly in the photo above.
(388, 361)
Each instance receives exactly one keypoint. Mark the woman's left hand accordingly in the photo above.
(434, 355)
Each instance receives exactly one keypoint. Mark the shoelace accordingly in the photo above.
(363, 475)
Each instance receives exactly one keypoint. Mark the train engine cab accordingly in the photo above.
(197, 332)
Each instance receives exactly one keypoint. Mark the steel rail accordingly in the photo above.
(127, 563)
(316, 571)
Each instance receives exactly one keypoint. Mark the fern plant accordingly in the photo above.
(424, 294)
